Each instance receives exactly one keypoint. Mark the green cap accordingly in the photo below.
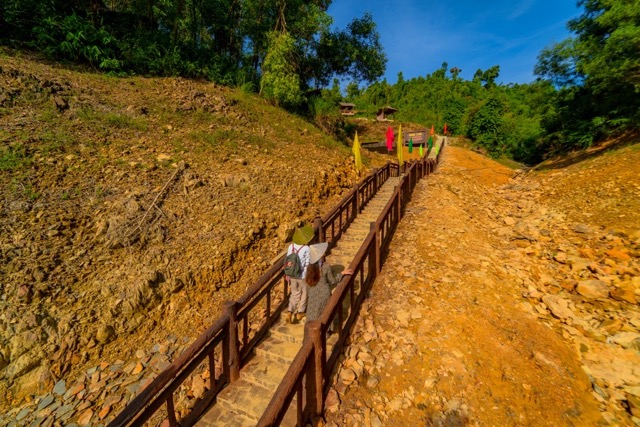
(303, 235)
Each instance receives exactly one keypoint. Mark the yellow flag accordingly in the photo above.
(399, 145)
(356, 152)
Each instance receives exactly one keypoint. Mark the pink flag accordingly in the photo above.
(389, 138)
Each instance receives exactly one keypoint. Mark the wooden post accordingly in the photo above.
(356, 206)
(212, 368)
(375, 181)
(374, 228)
(315, 378)
(317, 223)
(398, 213)
(171, 412)
(232, 365)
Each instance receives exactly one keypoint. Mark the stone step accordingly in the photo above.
(339, 261)
(292, 332)
(380, 199)
(245, 398)
(264, 372)
(367, 219)
(219, 416)
(351, 244)
(250, 401)
(361, 229)
(352, 241)
(377, 203)
(346, 253)
(278, 349)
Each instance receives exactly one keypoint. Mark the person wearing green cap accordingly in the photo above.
(296, 274)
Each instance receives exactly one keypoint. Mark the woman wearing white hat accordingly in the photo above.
(320, 279)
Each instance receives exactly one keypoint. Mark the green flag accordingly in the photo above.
(430, 142)
(420, 150)
(410, 145)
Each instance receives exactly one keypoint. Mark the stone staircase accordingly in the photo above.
(242, 403)
(343, 253)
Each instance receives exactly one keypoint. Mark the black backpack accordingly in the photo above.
(292, 264)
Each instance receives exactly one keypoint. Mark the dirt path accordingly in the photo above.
(465, 326)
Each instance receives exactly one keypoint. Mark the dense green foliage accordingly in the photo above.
(589, 85)
(503, 120)
(598, 75)
(589, 89)
(226, 41)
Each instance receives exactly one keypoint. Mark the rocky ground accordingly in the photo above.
(505, 300)
(132, 208)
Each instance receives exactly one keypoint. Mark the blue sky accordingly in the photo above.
(419, 35)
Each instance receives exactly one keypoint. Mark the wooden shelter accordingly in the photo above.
(347, 109)
(384, 112)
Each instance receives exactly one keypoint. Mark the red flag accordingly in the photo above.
(389, 138)
(445, 129)
(433, 131)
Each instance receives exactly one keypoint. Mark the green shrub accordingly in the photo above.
(74, 38)
(326, 115)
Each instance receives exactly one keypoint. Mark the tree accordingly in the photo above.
(280, 83)
(455, 71)
(226, 41)
(353, 90)
(601, 64)
(485, 125)
(355, 52)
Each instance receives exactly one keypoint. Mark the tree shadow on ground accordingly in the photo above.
(568, 159)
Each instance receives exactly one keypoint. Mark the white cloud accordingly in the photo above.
(521, 8)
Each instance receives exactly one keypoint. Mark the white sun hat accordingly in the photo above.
(316, 251)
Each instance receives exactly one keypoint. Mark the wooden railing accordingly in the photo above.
(308, 376)
(336, 221)
(225, 347)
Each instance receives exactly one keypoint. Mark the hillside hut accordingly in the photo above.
(347, 109)
(383, 113)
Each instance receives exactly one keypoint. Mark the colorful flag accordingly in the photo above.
(445, 129)
(389, 138)
(430, 142)
(410, 145)
(356, 152)
(420, 150)
(433, 131)
(399, 145)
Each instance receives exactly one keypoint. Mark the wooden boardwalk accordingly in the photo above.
(263, 370)
(242, 403)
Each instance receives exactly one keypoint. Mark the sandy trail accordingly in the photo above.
(446, 337)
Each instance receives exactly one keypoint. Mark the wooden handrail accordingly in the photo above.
(373, 245)
(235, 350)
(274, 414)
(225, 330)
(142, 407)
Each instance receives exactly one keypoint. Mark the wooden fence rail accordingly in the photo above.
(309, 374)
(244, 323)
